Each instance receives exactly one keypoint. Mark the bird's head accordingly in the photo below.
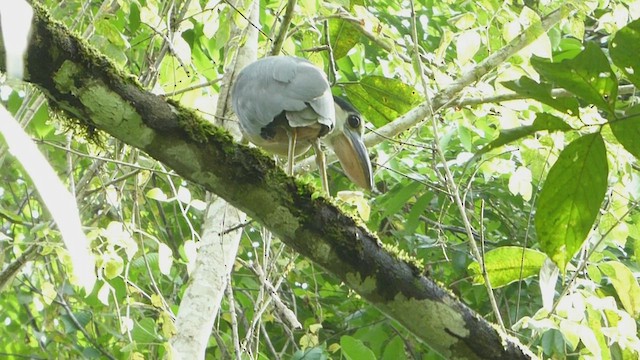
(347, 142)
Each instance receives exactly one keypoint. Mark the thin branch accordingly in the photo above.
(284, 26)
(62, 302)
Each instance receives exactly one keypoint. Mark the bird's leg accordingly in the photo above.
(321, 162)
(291, 154)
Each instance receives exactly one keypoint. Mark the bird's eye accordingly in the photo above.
(354, 121)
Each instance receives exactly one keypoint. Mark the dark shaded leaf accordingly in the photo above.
(344, 36)
(624, 50)
(382, 99)
(542, 92)
(413, 219)
(398, 197)
(542, 122)
(571, 197)
(588, 76)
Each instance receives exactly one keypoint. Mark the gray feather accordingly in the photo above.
(271, 85)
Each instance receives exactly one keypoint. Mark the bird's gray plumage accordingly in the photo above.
(269, 86)
(285, 106)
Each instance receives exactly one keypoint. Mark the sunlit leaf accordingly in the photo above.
(184, 195)
(627, 132)
(49, 292)
(467, 45)
(113, 266)
(549, 273)
(571, 197)
(165, 258)
(156, 194)
(520, 183)
(507, 264)
(588, 76)
(625, 284)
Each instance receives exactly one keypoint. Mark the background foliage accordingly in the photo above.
(543, 174)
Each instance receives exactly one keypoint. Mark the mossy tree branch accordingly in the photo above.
(88, 87)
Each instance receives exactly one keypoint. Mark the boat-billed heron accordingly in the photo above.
(285, 106)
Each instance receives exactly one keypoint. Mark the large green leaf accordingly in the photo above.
(624, 50)
(625, 284)
(508, 264)
(344, 36)
(571, 197)
(588, 76)
(542, 122)
(542, 92)
(381, 99)
(627, 131)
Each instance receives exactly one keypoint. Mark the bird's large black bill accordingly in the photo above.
(354, 158)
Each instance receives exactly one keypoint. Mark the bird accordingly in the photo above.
(284, 105)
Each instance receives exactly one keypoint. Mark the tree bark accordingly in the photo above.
(88, 87)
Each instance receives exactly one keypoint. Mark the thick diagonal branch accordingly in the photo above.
(88, 87)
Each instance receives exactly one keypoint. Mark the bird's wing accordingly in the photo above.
(269, 86)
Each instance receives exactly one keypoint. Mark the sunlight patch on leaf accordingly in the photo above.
(165, 258)
(520, 183)
(507, 264)
(156, 194)
(467, 45)
(625, 284)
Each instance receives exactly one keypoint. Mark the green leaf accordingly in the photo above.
(624, 50)
(571, 197)
(625, 284)
(145, 331)
(542, 93)
(113, 266)
(413, 219)
(382, 99)
(134, 17)
(394, 350)
(627, 131)
(508, 264)
(344, 36)
(543, 122)
(354, 349)
(315, 353)
(398, 197)
(588, 76)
